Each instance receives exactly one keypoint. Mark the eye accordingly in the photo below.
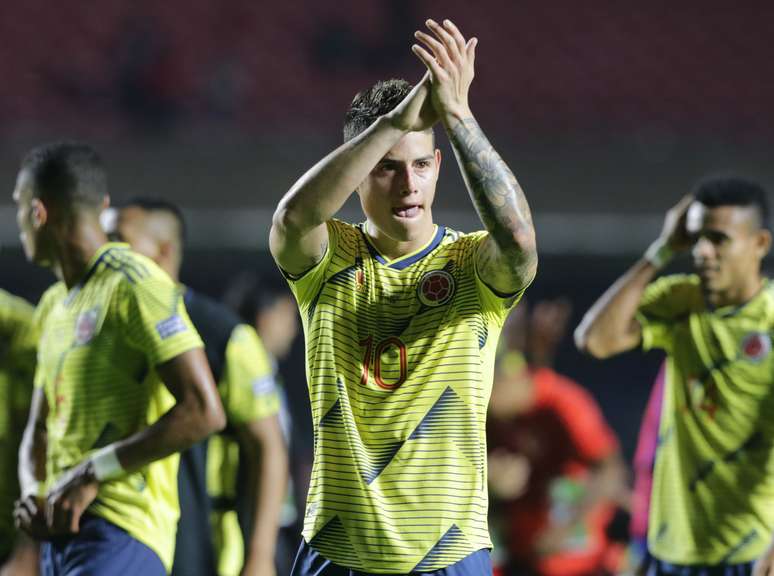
(422, 164)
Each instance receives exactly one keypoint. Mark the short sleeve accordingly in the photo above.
(496, 306)
(664, 302)
(247, 387)
(306, 286)
(153, 317)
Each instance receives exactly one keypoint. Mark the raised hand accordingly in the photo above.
(415, 113)
(674, 231)
(450, 61)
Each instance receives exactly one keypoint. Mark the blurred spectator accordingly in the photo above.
(555, 472)
(18, 344)
(269, 307)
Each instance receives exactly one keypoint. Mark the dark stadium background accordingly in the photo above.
(606, 111)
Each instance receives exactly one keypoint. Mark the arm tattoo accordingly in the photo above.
(501, 205)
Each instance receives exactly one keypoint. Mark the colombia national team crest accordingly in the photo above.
(756, 346)
(435, 288)
(86, 326)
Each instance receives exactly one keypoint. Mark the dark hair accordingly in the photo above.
(249, 294)
(160, 205)
(734, 191)
(369, 104)
(68, 173)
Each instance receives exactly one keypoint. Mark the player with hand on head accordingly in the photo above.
(237, 477)
(401, 318)
(121, 385)
(710, 510)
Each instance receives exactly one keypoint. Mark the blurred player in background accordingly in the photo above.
(401, 318)
(268, 305)
(219, 499)
(555, 471)
(711, 509)
(98, 463)
(18, 346)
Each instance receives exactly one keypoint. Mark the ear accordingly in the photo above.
(437, 162)
(763, 242)
(165, 250)
(38, 214)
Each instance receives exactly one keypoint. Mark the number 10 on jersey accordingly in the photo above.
(390, 351)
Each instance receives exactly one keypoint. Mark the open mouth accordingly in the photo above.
(407, 211)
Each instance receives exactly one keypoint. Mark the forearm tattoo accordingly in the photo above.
(499, 201)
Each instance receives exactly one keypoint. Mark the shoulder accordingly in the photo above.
(55, 293)
(344, 236)
(681, 291)
(14, 309)
(683, 283)
(128, 267)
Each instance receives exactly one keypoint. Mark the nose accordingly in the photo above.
(408, 184)
(703, 249)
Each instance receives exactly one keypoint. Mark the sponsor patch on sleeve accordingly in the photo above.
(264, 386)
(171, 326)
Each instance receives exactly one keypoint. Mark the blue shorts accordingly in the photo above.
(99, 549)
(309, 562)
(658, 567)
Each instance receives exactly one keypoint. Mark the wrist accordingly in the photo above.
(453, 116)
(33, 489)
(659, 253)
(104, 464)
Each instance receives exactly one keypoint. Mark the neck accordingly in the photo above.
(76, 247)
(738, 295)
(171, 269)
(392, 248)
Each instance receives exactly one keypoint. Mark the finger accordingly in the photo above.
(427, 59)
(470, 48)
(459, 39)
(49, 511)
(445, 37)
(22, 517)
(436, 47)
(75, 519)
(684, 202)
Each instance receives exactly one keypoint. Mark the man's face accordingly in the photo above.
(27, 218)
(728, 247)
(131, 226)
(397, 195)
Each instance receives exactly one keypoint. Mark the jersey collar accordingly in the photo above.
(92, 267)
(408, 259)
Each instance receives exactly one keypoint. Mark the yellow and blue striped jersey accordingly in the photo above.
(713, 483)
(249, 392)
(18, 345)
(100, 342)
(400, 358)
